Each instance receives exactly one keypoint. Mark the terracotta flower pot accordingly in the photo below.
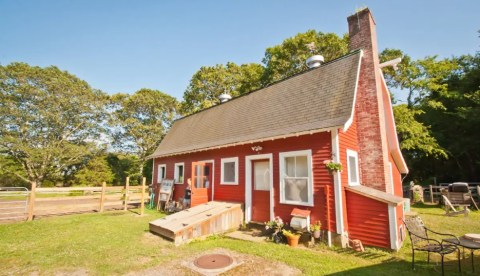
(293, 241)
(316, 234)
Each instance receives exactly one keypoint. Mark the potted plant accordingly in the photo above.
(291, 237)
(315, 229)
(333, 166)
(275, 227)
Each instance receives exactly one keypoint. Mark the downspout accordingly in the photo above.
(337, 184)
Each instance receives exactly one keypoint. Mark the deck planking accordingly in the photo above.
(210, 218)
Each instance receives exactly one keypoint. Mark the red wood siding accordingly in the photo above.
(319, 143)
(348, 140)
(368, 220)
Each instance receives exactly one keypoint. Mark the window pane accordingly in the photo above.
(301, 166)
(229, 172)
(262, 176)
(296, 189)
(352, 169)
(179, 174)
(290, 166)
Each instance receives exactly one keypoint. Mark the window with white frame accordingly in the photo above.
(162, 172)
(229, 171)
(352, 164)
(296, 183)
(179, 170)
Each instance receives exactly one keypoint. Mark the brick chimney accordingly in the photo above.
(374, 167)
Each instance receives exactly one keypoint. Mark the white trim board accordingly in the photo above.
(337, 184)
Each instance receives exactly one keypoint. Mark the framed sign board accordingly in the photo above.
(166, 191)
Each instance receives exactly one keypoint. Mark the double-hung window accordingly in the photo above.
(229, 172)
(296, 182)
(179, 170)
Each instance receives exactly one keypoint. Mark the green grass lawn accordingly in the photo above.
(119, 242)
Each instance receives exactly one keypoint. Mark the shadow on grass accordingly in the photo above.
(401, 267)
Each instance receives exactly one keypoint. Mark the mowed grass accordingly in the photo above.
(119, 243)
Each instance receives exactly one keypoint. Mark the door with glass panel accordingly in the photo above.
(199, 184)
(261, 190)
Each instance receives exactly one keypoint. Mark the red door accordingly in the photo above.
(199, 189)
(261, 190)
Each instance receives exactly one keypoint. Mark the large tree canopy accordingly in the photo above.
(140, 121)
(288, 58)
(50, 119)
(211, 81)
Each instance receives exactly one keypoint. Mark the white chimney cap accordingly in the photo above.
(314, 61)
(224, 97)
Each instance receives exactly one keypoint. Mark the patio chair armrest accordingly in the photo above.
(426, 239)
(442, 234)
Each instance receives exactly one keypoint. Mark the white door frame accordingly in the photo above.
(248, 183)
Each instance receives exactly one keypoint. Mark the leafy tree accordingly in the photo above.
(95, 173)
(50, 119)
(284, 60)
(418, 77)
(140, 121)
(211, 81)
(455, 124)
(123, 165)
(8, 168)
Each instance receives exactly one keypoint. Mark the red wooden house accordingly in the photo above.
(266, 149)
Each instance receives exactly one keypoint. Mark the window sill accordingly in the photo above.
(296, 203)
(230, 184)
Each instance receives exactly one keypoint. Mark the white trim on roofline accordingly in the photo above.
(352, 115)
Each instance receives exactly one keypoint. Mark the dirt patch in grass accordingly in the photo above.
(249, 265)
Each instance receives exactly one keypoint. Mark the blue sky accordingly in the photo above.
(122, 46)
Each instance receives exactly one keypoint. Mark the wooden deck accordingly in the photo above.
(210, 218)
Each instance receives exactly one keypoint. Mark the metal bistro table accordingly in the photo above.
(468, 243)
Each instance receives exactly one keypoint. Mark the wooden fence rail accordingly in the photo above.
(91, 199)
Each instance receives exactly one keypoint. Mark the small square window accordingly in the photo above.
(352, 163)
(230, 171)
(179, 173)
(162, 172)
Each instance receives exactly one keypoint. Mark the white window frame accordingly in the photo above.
(282, 156)
(175, 176)
(160, 166)
(351, 153)
(228, 160)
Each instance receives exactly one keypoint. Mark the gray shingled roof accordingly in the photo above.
(318, 99)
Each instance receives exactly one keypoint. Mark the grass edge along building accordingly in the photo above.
(267, 149)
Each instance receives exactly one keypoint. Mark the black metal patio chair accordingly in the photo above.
(422, 242)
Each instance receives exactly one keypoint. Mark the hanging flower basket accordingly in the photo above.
(332, 166)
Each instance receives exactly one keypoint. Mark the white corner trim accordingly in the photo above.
(349, 122)
(392, 219)
(248, 184)
(337, 184)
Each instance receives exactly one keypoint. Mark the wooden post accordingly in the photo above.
(31, 201)
(127, 185)
(431, 193)
(102, 196)
(142, 201)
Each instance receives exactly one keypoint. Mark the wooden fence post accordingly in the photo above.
(102, 197)
(142, 202)
(31, 201)
(431, 193)
(127, 185)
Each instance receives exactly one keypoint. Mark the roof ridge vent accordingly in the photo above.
(315, 60)
(224, 97)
